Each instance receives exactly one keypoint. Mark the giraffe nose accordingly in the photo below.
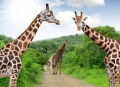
(58, 23)
(79, 28)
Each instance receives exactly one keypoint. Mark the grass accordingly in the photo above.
(97, 77)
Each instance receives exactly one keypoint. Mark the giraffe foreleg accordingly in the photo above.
(109, 72)
(13, 78)
(116, 76)
(60, 68)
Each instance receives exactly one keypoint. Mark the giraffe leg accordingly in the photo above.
(13, 78)
(116, 76)
(59, 68)
(56, 69)
(53, 68)
(111, 77)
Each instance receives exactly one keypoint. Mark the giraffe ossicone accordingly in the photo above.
(10, 61)
(111, 46)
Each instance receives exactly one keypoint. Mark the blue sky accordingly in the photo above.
(16, 15)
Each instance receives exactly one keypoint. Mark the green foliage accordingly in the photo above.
(1, 44)
(5, 39)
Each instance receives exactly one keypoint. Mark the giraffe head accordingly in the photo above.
(48, 16)
(66, 42)
(78, 20)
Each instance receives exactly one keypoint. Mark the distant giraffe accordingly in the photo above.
(57, 59)
(111, 46)
(10, 61)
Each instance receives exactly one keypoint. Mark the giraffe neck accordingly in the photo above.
(99, 39)
(61, 50)
(20, 44)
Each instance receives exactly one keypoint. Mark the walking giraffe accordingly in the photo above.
(10, 62)
(111, 46)
(57, 59)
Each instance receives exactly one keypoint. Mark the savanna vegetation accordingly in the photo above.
(82, 58)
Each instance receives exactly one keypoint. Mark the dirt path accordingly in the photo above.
(50, 80)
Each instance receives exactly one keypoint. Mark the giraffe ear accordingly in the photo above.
(73, 18)
(47, 6)
(51, 12)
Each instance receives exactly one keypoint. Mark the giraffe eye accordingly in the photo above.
(49, 15)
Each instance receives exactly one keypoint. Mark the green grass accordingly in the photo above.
(97, 77)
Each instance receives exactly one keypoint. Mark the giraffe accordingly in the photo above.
(57, 59)
(10, 54)
(111, 47)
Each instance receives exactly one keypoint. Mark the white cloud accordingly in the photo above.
(86, 3)
(93, 20)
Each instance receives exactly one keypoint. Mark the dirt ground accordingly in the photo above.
(50, 80)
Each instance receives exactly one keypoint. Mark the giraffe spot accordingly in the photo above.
(111, 65)
(94, 37)
(109, 40)
(29, 37)
(14, 61)
(0, 63)
(19, 66)
(35, 30)
(113, 40)
(3, 66)
(107, 49)
(33, 25)
(6, 50)
(38, 16)
(5, 60)
(101, 37)
(10, 64)
(87, 27)
(96, 33)
(113, 60)
(23, 51)
(15, 53)
(17, 59)
(105, 39)
(12, 47)
(30, 29)
(115, 68)
(108, 43)
(114, 50)
(88, 32)
(104, 46)
(20, 44)
(1, 58)
(112, 45)
(100, 43)
(14, 66)
(39, 20)
(26, 33)
(23, 38)
(37, 25)
(10, 53)
(109, 53)
(11, 57)
(25, 45)
(114, 55)
(16, 48)
(8, 45)
(15, 42)
(117, 46)
(92, 30)
(117, 61)
(35, 21)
